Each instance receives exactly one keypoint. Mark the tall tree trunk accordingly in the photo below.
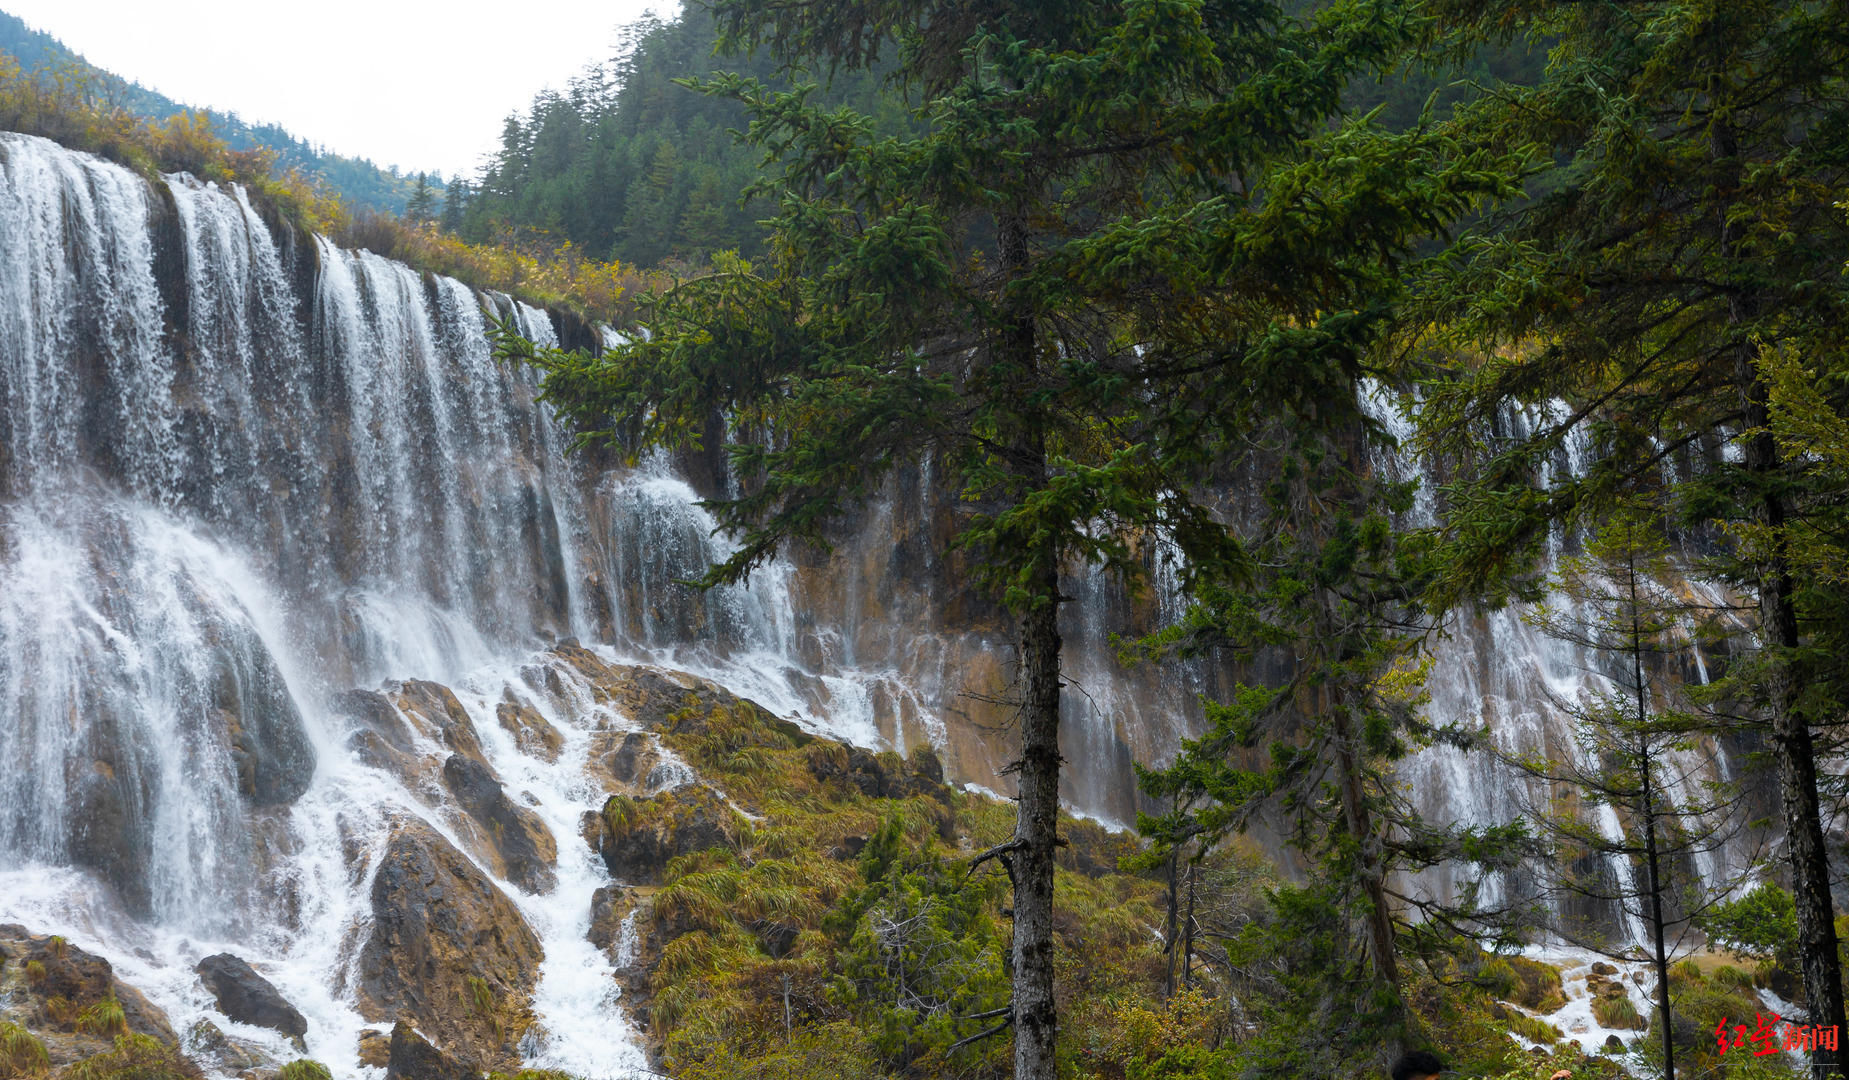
(1368, 869)
(1791, 740)
(1035, 1023)
(1790, 731)
(1778, 627)
(1036, 825)
(1644, 763)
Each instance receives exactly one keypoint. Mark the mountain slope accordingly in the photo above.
(358, 181)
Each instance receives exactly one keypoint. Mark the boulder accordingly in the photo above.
(411, 1057)
(448, 950)
(627, 757)
(640, 836)
(247, 997)
(375, 1049)
(1600, 967)
(531, 731)
(518, 838)
(269, 744)
(79, 978)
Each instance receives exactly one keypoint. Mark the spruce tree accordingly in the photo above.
(1119, 234)
(1640, 750)
(421, 206)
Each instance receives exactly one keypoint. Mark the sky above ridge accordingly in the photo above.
(419, 85)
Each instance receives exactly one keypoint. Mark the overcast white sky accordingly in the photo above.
(417, 85)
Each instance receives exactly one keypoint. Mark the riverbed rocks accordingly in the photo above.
(448, 952)
(518, 840)
(411, 1057)
(247, 997)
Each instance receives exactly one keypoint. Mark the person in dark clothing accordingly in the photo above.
(1418, 1065)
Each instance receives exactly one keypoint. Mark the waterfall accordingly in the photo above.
(242, 471)
(1500, 672)
(246, 474)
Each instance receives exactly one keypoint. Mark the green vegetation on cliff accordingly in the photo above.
(358, 182)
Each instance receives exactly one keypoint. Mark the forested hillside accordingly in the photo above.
(359, 182)
(627, 164)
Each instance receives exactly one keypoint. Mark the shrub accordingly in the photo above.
(1617, 1012)
(104, 1018)
(1533, 1029)
(21, 1052)
(135, 1057)
(304, 1069)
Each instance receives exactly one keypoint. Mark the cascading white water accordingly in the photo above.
(1503, 673)
(243, 472)
(225, 501)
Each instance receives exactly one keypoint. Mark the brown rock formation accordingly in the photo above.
(517, 839)
(411, 1058)
(641, 835)
(531, 732)
(46, 984)
(448, 951)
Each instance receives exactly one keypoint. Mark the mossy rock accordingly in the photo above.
(1529, 983)
(641, 836)
(1618, 1012)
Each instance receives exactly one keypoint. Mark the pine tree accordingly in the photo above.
(1640, 750)
(1682, 223)
(421, 206)
(1325, 614)
(455, 205)
(1121, 233)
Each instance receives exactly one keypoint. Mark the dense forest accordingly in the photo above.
(627, 164)
(1369, 357)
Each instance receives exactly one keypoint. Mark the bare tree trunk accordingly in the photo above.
(1174, 892)
(1648, 813)
(1187, 933)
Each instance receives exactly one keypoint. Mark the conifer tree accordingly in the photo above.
(1122, 232)
(421, 206)
(1640, 751)
(1682, 222)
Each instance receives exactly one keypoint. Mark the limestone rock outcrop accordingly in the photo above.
(448, 952)
(641, 835)
(522, 844)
